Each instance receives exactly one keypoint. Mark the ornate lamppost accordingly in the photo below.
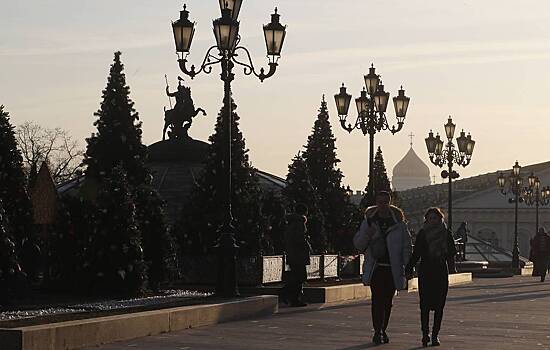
(371, 110)
(448, 154)
(537, 196)
(226, 53)
(513, 185)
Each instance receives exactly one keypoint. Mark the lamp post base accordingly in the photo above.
(515, 258)
(226, 285)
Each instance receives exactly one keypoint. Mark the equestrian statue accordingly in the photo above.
(179, 118)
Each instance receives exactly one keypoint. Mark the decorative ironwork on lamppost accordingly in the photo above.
(371, 112)
(448, 154)
(226, 33)
(513, 185)
(537, 196)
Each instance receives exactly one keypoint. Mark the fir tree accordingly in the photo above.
(13, 192)
(70, 256)
(206, 210)
(325, 176)
(118, 264)
(299, 189)
(118, 137)
(159, 248)
(10, 270)
(380, 179)
(118, 142)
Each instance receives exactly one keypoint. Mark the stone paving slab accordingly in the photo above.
(503, 313)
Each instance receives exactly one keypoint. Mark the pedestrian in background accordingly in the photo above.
(435, 249)
(540, 253)
(297, 250)
(385, 240)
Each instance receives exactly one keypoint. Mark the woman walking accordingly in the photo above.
(435, 249)
(385, 240)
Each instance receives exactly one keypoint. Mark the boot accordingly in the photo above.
(438, 317)
(377, 338)
(385, 338)
(425, 320)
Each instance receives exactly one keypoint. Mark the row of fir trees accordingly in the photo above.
(112, 237)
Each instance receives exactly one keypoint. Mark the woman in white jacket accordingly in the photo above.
(386, 243)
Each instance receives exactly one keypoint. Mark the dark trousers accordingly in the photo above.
(295, 278)
(382, 290)
(425, 321)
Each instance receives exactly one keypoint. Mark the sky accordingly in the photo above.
(485, 63)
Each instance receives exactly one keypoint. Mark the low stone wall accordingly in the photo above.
(102, 330)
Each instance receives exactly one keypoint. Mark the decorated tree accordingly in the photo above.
(118, 136)
(10, 270)
(326, 177)
(13, 191)
(159, 248)
(299, 189)
(70, 255)
(118, 143)
(379, 178)
(117, 264)
(206, 210)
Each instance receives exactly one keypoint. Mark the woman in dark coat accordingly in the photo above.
(540, 253)
(435, 249)
(297, 250)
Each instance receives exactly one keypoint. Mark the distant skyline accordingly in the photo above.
(486, 63)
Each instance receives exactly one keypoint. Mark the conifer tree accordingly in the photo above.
(159, 247)
(299, 189)
(118, 263)
(10, 270)
(206, 210)
(379, 178)
(118, 136)
(13, 192)
(325, 176)
(118, 143)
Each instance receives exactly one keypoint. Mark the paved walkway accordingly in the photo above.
(505, 313)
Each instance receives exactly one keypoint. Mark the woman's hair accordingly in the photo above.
(434, 210)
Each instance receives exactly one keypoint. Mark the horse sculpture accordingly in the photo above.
(180, 118)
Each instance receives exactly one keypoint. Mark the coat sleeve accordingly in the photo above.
(416, 251)
(362, 238)
(407, 245)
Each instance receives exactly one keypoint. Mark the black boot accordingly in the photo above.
(438, 317)
(425, 321)
(377, 338)
(385, 338)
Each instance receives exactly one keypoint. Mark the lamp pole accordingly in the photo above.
(371, 109)
(537, 196)
(226, 32)
(512, 184)
(450, 155)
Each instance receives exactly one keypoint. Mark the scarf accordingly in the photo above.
(436, 239)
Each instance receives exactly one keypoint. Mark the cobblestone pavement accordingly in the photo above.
(502, 313)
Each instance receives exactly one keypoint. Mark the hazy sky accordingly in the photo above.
(487, 63)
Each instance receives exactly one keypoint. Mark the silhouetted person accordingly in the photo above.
(462, 237)
(386, 242)
(297, 250)
(540, 253)
(435, 249)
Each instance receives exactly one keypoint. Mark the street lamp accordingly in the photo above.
(226, 33)
(513, 185)
(537, 196)
(442, 154)
(371, 110)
